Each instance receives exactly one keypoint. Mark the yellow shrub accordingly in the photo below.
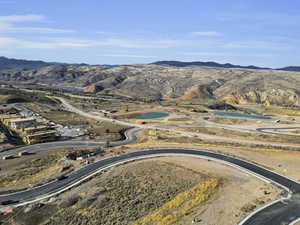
(170, 212)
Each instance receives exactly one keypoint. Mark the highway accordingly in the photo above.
(281, 212)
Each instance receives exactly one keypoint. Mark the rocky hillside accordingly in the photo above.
(235, 86)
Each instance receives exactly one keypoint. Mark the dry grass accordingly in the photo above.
(230, 121)
(154, 138)
(244, 135)
(132, 192)
(185, 121)
(32, 170)
(172, 211)
(282, 111)
(123, 107)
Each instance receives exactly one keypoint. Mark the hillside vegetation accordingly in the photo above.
(134, 192)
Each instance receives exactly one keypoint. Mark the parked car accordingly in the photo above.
(62, 177)
(9, 202)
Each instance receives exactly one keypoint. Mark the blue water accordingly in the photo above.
(241, 115)
(152, 115)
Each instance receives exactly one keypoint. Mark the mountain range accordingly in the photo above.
(219, 65)
(7, 63)
(160, 81)
(205, 64)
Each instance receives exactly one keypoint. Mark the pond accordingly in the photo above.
(241, 115)
(152, 115)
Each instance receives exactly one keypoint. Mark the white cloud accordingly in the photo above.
(22, 18)
(126, 43)
(226, 54)
(7, 25)
(48, 44)
(63, 43)
(58, 43)
(204, 53)
(105, 33)
(139, 43)
(4, 26)
(45, 30)
(261, 18)
(206, 33)
(257, 45)
(129, 56)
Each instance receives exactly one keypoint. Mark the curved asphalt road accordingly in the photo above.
(278, 213)
(129, 138)
(270, 130)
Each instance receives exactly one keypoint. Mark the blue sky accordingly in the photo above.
(263, 33)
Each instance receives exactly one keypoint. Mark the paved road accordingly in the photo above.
(271, 130)
(282, 212)
(129, 134)
(71, 108)
(279, 213)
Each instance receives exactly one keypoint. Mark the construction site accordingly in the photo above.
(25, 129)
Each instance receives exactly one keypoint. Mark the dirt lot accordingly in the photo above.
(235, 200)
(283, 162)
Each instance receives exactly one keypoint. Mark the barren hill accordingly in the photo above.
(198, 84)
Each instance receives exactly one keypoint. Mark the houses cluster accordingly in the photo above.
(26, 129)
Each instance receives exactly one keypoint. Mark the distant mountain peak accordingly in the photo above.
(291, 68)
(220, 65)
(205, 64)
(7, 63)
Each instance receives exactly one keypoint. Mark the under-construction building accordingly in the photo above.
(27, 129)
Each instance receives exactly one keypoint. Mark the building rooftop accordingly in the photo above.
(23, 119)
(9, 116)
(5, 106)
(41, 133)
(36, 128)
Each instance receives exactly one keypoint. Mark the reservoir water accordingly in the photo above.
(152, 115)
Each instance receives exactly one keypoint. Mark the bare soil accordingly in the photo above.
(230, 205)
